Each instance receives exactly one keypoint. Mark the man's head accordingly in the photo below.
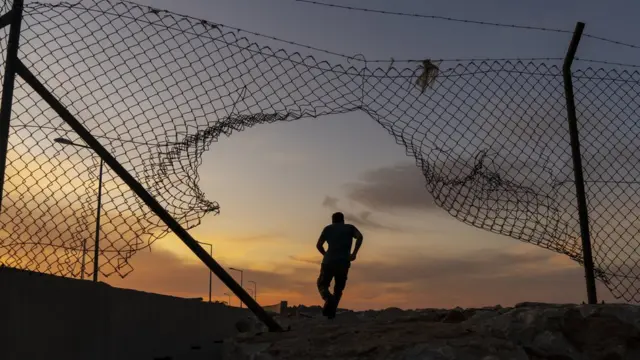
(337, 218)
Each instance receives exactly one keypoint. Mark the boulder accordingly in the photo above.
(390, 314)
(455, 316)
(244, 326)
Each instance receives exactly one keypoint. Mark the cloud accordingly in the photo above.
(362, 218)
(408, 280)
(164, 272)
(306, 259)
(486, 264)
(474, 279)
(398, 187)
(260, 238)
(330, 202)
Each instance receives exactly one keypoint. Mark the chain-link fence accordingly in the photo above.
(157, 89)
(608, 107)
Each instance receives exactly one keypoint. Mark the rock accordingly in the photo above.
(482, 315)
(391, 313)
(601, 336)
(626, 313)
(468, 313)
(454, 316)
(552, 345)
(430, 352)
(504, 310)
(530, 331)
(540, 304)
(243, 326)
(433, 315)
(347, 317)
(235, 351)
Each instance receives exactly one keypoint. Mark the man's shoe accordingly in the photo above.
(330, 307)
(326, 309)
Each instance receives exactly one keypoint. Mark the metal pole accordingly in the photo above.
(255, 290)
(66, 141)
(210, 272)
(241, 283)
(8, 86)
(145, 196)
(84, 255)
(96, 255)
(577, 165)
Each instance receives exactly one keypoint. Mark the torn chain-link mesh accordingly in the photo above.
(157, 89)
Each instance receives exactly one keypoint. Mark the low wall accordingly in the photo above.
(49, 317)
(280, 308)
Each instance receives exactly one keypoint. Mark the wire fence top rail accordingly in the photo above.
(158, 89)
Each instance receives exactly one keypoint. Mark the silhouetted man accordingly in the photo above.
(337, 260)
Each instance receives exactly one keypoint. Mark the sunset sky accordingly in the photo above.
(278, 184)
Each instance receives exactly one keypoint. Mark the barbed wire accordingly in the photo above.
(475, 22)
(611, 41)
(605, 62)
(335, 53)
(390, 60)
(434, 17)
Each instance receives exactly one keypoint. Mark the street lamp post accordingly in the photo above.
(97, 240)
(241, 275)
(255, 290)
(210, 273)
(229, 301)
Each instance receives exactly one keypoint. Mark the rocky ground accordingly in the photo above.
(527, 331)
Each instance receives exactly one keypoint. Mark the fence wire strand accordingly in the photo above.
(158, 89)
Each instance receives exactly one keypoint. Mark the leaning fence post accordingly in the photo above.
(15, 16)
(144, 195)
(577, 165)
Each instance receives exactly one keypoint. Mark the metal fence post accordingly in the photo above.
(96, 250)
(577, 165)
(7, 87)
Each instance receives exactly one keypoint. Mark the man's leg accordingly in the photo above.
(324, 280)
(340, 283)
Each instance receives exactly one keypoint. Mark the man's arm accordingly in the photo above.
(320, 244)
(358, 236)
